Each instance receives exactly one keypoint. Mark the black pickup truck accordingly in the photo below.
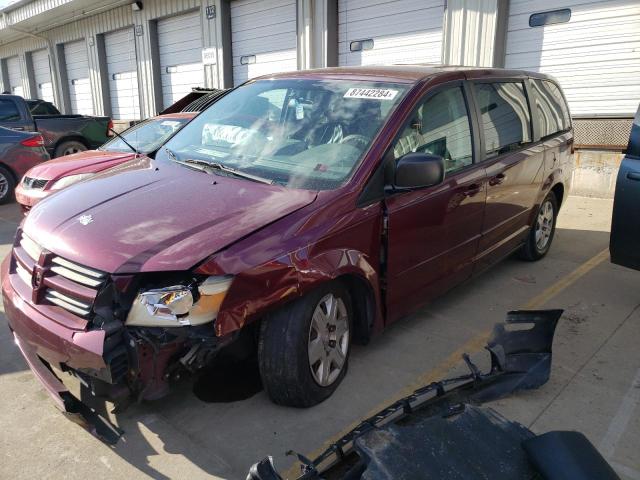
(63, 134)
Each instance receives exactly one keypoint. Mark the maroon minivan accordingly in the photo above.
(300, 213)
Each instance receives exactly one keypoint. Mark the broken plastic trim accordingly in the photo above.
(83, 415)
(520, 360)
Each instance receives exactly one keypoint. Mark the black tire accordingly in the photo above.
(7, 185)
(68, 148)
(531, 250)
(283, 350)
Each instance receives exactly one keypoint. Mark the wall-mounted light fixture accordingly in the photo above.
(136, 6)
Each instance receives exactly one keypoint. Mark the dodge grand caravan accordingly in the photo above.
(299, 214)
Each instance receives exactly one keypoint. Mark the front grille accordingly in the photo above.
(55, 280)
(34, 183)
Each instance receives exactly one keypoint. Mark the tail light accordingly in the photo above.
(35, 141)
(110, 129)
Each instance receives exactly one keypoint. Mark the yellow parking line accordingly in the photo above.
(475, 344)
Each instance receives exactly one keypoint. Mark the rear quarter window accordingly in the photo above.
(553, 113)
(8, 111)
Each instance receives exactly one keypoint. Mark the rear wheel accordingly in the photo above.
(69, 148)
(7, 185)
(542, 230)
(304, 348)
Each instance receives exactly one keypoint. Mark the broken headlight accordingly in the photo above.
(179, 305)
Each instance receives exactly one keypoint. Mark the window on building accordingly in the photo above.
(549, 18)
(506, 119)
(553, 113)
(440, 126)
(8, 111)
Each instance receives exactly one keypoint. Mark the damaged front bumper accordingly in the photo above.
(114, 362)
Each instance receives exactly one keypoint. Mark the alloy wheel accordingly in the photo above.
(544, 225)
(4, 186)
(328, 340)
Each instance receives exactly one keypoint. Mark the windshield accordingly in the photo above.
(146, 136)
(300, 133)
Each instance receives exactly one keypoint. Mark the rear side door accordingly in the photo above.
(625, 227)
(514, 166)
(433, 233)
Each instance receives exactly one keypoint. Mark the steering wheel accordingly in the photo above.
(355, 140)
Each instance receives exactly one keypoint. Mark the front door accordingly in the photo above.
(433, 233)
(514, 167)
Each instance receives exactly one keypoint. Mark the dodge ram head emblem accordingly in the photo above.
(85, 219)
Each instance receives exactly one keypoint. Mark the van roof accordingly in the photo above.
(404, 73)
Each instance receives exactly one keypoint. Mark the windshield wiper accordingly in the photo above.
(220, 167)
(133, 149)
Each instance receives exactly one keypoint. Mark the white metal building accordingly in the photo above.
(130, 59)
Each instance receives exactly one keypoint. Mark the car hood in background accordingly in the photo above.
(91, 161)
(155, 216)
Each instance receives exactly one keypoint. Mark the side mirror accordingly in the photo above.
(418, 170)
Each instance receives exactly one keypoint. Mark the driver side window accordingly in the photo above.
(440, 126)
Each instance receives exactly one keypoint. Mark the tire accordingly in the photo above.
(7, 185)
(68, 148)
(542, 231)
(289, 340)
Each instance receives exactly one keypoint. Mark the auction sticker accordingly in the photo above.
(371, 93)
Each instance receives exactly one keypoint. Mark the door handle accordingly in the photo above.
(497, 180)
(472, 190)
(633, 176)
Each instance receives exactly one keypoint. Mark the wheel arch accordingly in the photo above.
(11, 171)
(71, 138)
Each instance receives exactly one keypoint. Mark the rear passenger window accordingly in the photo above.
(553, 113)
(506, 119)
(440, 126)
(8, 111)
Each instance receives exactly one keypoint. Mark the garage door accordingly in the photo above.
(42, 75)
(15, 77)
(120, 50)
(77, 63)
(388, 32)
(180, 45)
(263, 37)
(593, 50)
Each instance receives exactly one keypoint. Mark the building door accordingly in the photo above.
(77, 64)
(180, 45)
(263, 38)
(592, 48)
(42, 75)
(122, 69)
(15, 77)
(396, 31)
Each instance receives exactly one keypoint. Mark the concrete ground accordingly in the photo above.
(594, 386)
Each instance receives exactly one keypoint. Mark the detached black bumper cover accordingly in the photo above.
(437, 432)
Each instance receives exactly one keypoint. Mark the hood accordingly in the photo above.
(155, 216)
(91, 161)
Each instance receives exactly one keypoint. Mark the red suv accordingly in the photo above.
(298, 214)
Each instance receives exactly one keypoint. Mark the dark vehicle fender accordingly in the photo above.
(260, 290)
(70, 138)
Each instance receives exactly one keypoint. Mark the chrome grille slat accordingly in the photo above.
(69, 299)
(31, 247)
(76, 277)
(66, 305)
(78, 268)
(24, 275)
(73, 278)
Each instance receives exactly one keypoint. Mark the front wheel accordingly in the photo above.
(542, 231)
(304, 348)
